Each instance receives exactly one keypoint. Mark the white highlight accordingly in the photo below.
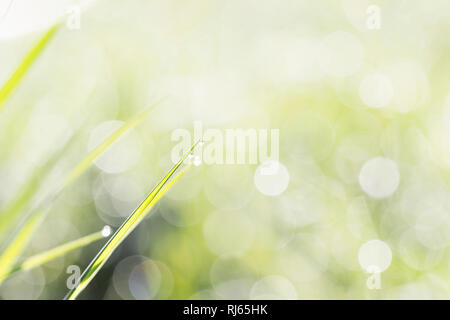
(379, 177)
(271, 178)
(376, 91)
(106, 231)
(375, 254)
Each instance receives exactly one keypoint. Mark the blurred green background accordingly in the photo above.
(359, 90)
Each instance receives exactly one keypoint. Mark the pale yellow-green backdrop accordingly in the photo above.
(360, 93)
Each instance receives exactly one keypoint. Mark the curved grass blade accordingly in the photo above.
(44, 257)
(129, 225)
(19, 241)
(26, 63)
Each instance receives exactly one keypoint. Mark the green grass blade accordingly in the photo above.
(26, 63)
(86, 162)
(15, 248)
(18, 243)
(44, 257)
(128, 226)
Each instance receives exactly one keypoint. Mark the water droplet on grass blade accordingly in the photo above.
(106, 231)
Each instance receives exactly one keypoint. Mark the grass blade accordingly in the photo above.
(26, 63)
(14, 250)
(86, 162)
(129, 225)
(44, 257)
(19, 241)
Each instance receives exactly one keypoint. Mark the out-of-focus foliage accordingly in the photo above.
(363, 109)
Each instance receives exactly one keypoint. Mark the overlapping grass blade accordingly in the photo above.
(44, 257)
(129, 225)
(26, 63)
(21, 239)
